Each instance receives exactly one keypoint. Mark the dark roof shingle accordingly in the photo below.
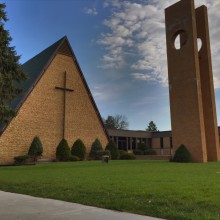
(34, 68)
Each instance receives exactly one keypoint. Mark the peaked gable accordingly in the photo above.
(35, 68)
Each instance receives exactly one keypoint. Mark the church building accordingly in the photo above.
(56, 103)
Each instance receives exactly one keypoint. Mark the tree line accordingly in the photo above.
(120, 121)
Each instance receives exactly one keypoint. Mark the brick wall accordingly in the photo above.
(42, 114)
(156, 143)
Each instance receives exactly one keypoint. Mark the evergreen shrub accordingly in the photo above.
(127, 156)
(121, 152)
(21, 159)
(63, 151)
(138, 152)
(96, 146)
(142, 146)
(182, 155)
(36, 148)
(78, 149)
(74, 158)
(150, 151)
(111, 146)
(144, 149)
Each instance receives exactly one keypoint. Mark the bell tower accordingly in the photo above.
(192, 101)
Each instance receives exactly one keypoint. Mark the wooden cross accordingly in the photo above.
(65, 89)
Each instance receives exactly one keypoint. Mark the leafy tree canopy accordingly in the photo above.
(11, 72)
(116, 122)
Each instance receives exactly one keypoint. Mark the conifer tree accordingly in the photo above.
(36, 148)
(78, 149)
(96, 146)
(111, 146)
(11, 73)
(151, 126)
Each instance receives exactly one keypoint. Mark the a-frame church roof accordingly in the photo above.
(35, 68)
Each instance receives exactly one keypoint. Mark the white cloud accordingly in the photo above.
(142, 76)
(114, 3)
(138, 26)
(90, 11)
(111, 91)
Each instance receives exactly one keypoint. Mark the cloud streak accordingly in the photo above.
(90, 11)
(136, 34)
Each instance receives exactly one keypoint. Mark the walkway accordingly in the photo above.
(22, 207)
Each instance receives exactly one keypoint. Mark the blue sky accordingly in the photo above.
(120, 46)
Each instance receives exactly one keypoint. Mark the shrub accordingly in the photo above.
(36, 148)
(138, 152)
(79, 149)
(143, 149)
(63, 151)
(96, 146)
(142, 146)
(182, 155)
(101, 153)
(127, 156)
(74, 158)
(21, 159)
(149, 151)
(113, 150)
(121, 152)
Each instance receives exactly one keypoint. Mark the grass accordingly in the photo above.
(154, 188)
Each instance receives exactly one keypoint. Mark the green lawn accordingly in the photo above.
(153, 188)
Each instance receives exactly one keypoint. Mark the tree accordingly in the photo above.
(11, 72)
(116, 122)
(63, 151)
(151, 126)
(78, 149)
(36, 148)
(96, 146)
(110, 122)
(182, 155)
(111, 146)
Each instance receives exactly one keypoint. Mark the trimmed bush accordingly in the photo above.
(150, 151)
(36, 148)
(21, 159)
(143, 149)
(101, 153)
(138, 152)
(63, 151)
(182, 155)
(74, 158)
(78, 149)
(121, 152)
(96, 146)
(127, 156)
(142, 146)
(111, 146)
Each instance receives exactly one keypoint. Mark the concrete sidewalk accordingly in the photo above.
(15, 206)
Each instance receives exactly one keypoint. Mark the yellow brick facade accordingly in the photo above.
(42, 114)
(192, 96)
